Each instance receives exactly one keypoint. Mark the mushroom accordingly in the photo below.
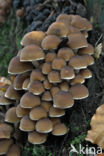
(87, 50)
(5, 145)
(25, 84)
(21, 112)
(56, 112)
(47, 84)
(36, 74)
(36, 87)
(50, 56)
(86, 73)
(14, 150)
(77, 80)
(54, 77)
(46, 105)
(46, 68)
(46, 96)
(5, 131)
(58, 63)
(67, 73)
(59, 129)
(4, 101)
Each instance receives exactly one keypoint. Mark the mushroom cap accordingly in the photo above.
(67, 73)
(46, 68)
(50, 56)
(14, 150)
(54, 90)
(36, 74)
(65, 53)
(64, 86)
(79, 91)
(55, 121)
(76, 41)
(86, 73)
(21, 112)
(77, 62)
(5, 145)
(11, 116)
(50, 42)
(17, 67)
(36, 87)
(34, 37)
(37, 113)
(5, 131)
(63, 17)
(18, 81)
(56, 112)
(54, 77)
(59, 129)
(63, 100)
(89, 59)
(81, 23)
(58, 63)
(46, 105)
(44, 125)
(79, 79)
(46, 96)
(26, 124)
(58, 28)
(87, 50)
(4, 101)
(11, 93)
(25, 101)
(37, 138)
(46, 84)
(31, 53)
(25, 84)
(85, 33)
(100, 110)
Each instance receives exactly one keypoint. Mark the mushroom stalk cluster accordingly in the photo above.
(50, 71)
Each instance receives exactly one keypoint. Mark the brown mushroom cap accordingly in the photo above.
(36, 87)
(46, 84)
(11, 116)
(29, 100)
(58, 63)
(5, 101)
(89, 59)
(12, 94)
(54, 77)
(25, 84)
(37, 138)
(37, 113)
(58, 28)
(50, 42)
(5, 131)
(50, 57)
(18, 81)
(26, 124)
(46, 68)
(44, 125)
(54, 90)
(14, 150)
(5, 145)
(36, 74)
(81, 23)
(77, 62)
(63, 17)
(63, 100)
(64, 86)
(17, 67)
(79, 91)
(56, 112)
(20, 112)
(67, 73)
(87, 50)
(55, 121)
(46, 105)
(65, 53)
(77, 80)
(46, 96)
(76, 41)
(59, 129)
(34, 37)
(86, 73)
(31, 53)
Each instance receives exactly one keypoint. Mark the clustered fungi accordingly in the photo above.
(4, 9)
(49, 73)
(96, 134)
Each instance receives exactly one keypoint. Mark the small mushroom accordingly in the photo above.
(50, 56)
(58, 63)
(56, 112)
(87, 50)
(67, 73)
(26, 84)
(5, 131)
(59, 129)
(5, 145)
(46, 68)
(54, 77)
(46, 96)
(77, 80)
(36, 87)
(86, 73)
(14, 150)
(21, 112)
(36, 74)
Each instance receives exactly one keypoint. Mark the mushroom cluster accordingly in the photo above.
(50, 71)
(96, 134)
(4, 9)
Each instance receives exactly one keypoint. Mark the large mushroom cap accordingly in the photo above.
(59, 129)
(44, 125)
(79, 91)
(26, 124)
(31, 53)
(5, 145)
(38, 113)
(25, 101)
(63, 100)
(37, 138)
(11, 116)
(14, 150)
(34, 37)
(17, 67)
(5, 131)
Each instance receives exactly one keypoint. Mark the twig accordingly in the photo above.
(98, 40)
